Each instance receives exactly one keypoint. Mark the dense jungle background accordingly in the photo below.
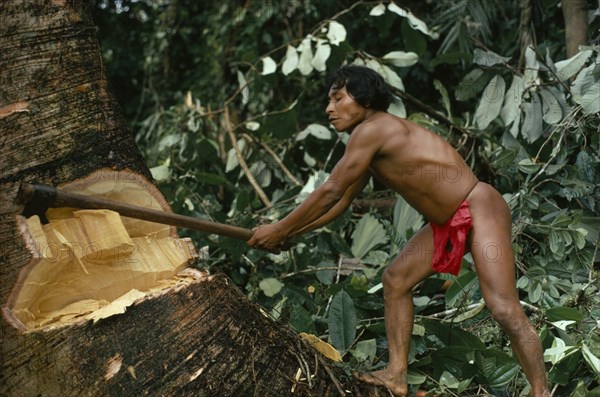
(227, 102)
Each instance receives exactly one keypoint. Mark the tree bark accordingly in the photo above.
(526, 32)
(576, 24)
(60, 124)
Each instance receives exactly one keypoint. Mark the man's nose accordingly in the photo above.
(329, 108)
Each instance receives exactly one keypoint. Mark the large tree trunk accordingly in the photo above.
(192, 333)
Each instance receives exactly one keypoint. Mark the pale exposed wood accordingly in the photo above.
(124, 187)
(106, 235)
(89, 267)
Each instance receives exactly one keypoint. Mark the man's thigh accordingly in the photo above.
(491, 246)
(413, 263)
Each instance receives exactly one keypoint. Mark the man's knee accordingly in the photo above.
(394, 280)
(509, 315)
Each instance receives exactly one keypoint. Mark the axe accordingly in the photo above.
(37, 198)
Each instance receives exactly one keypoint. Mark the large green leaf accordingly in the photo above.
(472, 84)
(469, 313)
(405, 218)
(488, 58)
(270, 286)
(161, 172)
(590, 100)
(369, 233)
(268, 66)
(306, 57)
(401, 58)
(336, 33)
(449, 380)
(457, 360)
(532, 66)
(591, 359)
(502, 375)
(290, 61)
(389, 75)
(490, 103)
(559, 351)
(326, 276)
(567, 369)
(317, 130)
(592, 225)
(413, 21)
(567, 68)
(551, 109)
(462, 287)
(563, 313)
(512, 101)
(397, 108)
(365, 351)
(314, 181)
(497, 368)
(321, 55)
(342, 321)
(585, 82)
(532, 125)
(450, 335)
(445, 98)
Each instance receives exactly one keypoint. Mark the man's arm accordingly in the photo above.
(364, 143)
(338, 209)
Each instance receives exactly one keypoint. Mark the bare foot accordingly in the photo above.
(394, 382)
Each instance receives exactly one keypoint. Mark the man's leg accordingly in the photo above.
(409, 268)
(492, 253)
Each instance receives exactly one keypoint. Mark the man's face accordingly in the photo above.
(343, 111)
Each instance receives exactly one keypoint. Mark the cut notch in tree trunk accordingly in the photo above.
(90, 264)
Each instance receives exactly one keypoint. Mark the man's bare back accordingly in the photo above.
(419, 165)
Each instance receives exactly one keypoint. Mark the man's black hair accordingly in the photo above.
(365, 85)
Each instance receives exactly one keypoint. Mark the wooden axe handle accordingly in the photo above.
(44, 196)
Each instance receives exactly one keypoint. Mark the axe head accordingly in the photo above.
(35, 200)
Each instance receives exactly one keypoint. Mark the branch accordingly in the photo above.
(431, 112)
(473, 306)
(322, 24)
(452, 311)
(261, 194)
(335, 381)
(285, 170)
(593, 260)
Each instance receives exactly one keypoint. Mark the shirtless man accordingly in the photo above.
(463, 213)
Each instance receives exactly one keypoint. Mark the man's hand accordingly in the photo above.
(269, 238)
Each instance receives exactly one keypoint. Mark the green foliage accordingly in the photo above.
(342, 321)
(526, 123)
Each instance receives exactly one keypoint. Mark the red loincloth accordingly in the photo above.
(450, 241)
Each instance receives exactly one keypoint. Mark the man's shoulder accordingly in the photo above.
(382, 122)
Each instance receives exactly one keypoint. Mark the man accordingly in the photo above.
(463, 213)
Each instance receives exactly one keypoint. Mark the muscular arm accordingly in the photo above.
(349, 174)
(338, 208)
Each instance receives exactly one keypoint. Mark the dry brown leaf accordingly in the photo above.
(322, 347)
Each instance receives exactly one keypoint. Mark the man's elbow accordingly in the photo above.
(332, 193)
